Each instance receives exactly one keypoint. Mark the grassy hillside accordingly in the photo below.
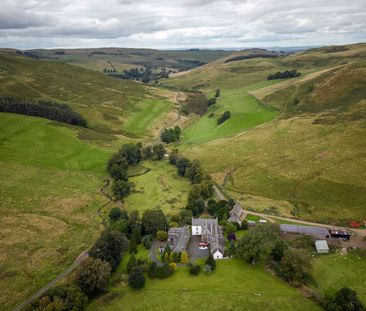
(307, 163)
(246, 112)
(124, 58)
(233, 286)
(49, 194)
(109, 105)
(159, 187)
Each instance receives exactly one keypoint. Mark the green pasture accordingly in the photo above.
(234, 285)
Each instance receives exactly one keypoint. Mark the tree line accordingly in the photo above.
(284, 75)
(129, 155)
(45, 109)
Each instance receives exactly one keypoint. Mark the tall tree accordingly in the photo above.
(136, 279)
(258, 242)
(131, 153)
(109, 247)
(121, 189)
(92, 276)
(154, 220)
(159, 151)
(295, 265)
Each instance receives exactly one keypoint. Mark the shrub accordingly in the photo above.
(211, 101)
(207, 269)
(136, 279)
(153, 270)
(211, 262)
(226, 115)
(173, 266)
(184, 257)
(194, 269)
(147, 241)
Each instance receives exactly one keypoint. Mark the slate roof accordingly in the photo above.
(211, 228)
(307, 230)
(178, 238)
(236, 213)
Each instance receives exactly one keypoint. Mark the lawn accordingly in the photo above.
(160, 187)
(246, 112)
(49, 181)
(334, 271)
(235, 285)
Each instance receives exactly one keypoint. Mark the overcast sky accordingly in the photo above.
(180, 23)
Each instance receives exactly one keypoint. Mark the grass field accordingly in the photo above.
(246, 112)
(334, 271)
(49, 194)
(233, 286)
(160, 187)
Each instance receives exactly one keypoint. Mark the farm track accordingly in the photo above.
(359, 232)
(45, 288)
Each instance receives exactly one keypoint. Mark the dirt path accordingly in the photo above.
(77, 261)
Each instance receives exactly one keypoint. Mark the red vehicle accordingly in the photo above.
(203, 244)
(354, 224)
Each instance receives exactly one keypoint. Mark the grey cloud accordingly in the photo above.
(170, 24)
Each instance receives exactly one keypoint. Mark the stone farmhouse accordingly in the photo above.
(178, 238)
(237, 214)
(210, 232)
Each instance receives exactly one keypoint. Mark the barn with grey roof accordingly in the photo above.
(318, 232)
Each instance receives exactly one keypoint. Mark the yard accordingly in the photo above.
(234, 285)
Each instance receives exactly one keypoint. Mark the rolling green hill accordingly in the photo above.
(307, 163)
(109, 105)
(49, 194)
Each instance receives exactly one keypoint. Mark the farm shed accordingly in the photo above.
(340, 234)
(306, 230)
(322, 247)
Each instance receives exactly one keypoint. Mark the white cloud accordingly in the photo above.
(180, 23)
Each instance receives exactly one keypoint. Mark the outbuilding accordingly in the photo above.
(322, 246)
